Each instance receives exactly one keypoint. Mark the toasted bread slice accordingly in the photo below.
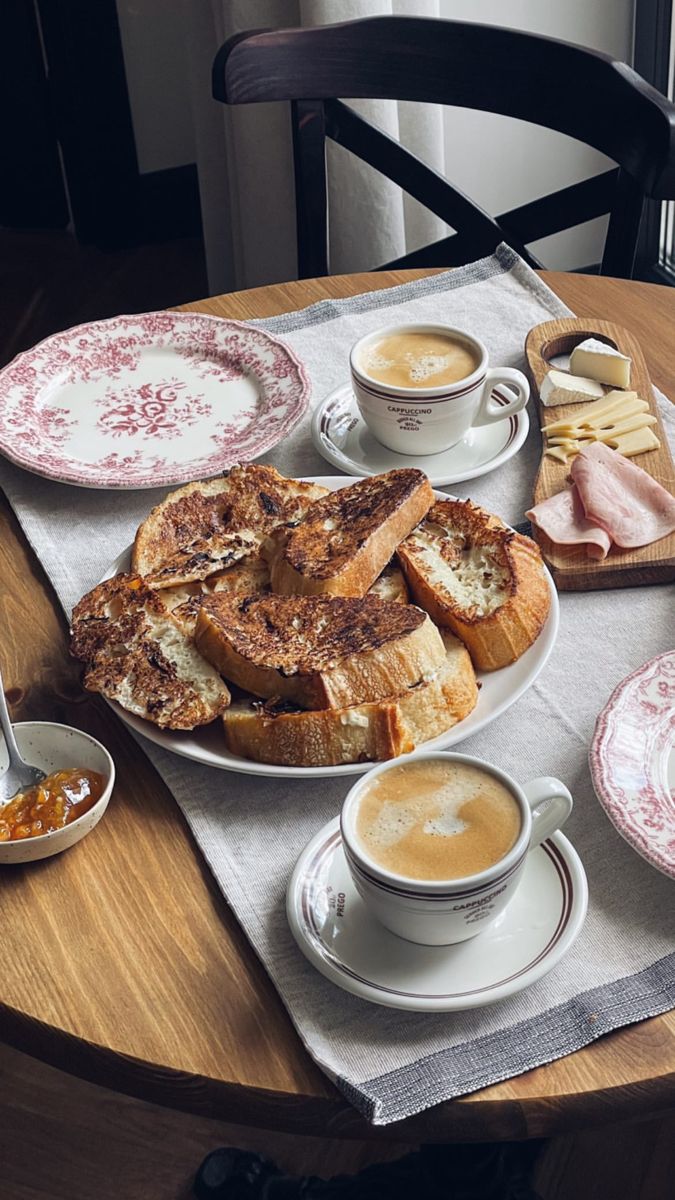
(211, 524)
(250, 577)
(318, 651)
(391, 585)
(347, 538)
(136, 654)
(362, 733)
(477, 577)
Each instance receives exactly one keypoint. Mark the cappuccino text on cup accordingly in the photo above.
(421, 388)
(436, 845)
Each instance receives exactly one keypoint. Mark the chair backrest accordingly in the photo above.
(560, 86)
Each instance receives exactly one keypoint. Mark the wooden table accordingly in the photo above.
(121, 962)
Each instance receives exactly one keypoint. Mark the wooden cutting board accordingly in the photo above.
(571, 568)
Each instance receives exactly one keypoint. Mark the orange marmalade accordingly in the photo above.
(57, 801)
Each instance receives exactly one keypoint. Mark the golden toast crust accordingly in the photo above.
(474, 575)
(361, 733)
(346, 539)
(199, 528)
(318, 651)
(136, 654)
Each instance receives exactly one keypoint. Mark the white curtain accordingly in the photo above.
(244, 157)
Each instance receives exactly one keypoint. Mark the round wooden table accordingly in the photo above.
(121, 962)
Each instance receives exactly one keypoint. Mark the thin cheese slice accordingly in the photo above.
(621, 420)
(638, 441)
(616, 428)
(563, 451)
(608, 405)
(594, 359)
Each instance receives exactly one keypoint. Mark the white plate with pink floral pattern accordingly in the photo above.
(632, 761)
(148, 400)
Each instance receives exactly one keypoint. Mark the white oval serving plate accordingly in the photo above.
(498, 691)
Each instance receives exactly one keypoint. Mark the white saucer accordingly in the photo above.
(334, 930)
(342, 437)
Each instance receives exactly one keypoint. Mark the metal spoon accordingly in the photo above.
(19, 774)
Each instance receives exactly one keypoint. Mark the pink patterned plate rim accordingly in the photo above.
(632, 760)
(150, 399)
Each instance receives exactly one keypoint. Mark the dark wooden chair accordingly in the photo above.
(550, 83)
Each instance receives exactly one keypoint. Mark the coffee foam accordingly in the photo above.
(436, 820)
(436, 813)
(418, 360)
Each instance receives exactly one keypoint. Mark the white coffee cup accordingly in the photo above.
(427, 420)
(441, 912)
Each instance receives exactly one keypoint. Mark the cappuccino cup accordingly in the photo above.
(436, 844)
(421, 388)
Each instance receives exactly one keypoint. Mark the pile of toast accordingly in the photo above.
(322, 628)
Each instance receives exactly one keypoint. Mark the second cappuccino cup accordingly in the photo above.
(437, 873)
(420, 388)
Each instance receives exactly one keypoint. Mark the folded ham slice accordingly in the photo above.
(562, 519)
(621, 498)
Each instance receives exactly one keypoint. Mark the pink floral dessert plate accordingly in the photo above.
(148, 400)
(632, 760)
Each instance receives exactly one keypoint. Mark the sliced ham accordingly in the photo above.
(621, 498)
(562, 519)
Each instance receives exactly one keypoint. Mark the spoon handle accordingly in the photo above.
(15, 759)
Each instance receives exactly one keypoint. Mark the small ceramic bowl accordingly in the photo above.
(53, 747)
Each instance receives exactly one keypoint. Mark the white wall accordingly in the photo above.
(516, 161)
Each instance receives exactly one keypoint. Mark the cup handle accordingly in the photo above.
(558, 801)
(492, 410)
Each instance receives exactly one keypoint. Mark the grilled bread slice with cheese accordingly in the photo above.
(136, 654)
(209, 525)
(391, 585)
(479, 578)
(346, 539)
(318, 651)
(361, 733)
(250, 577)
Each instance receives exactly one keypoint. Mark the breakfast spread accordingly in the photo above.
(314, 625)
(58, 800)
(603, 495)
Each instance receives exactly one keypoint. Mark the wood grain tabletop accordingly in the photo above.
(121, 961)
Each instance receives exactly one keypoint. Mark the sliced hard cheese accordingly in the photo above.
(602, 410)
(563, 450)
(560, 388)
(620, 420)
(596, 360)
(606, 405)
(638, 441)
